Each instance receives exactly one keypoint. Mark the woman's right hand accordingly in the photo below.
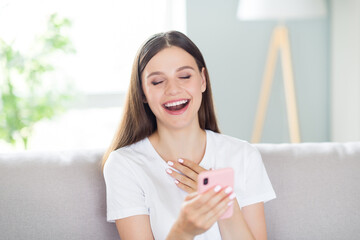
(200, 211)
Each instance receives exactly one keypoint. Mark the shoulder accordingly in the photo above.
(227, 143)
(122, 158)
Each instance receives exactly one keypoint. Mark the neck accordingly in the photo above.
(188, 143)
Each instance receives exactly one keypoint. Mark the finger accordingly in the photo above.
(214, 200)
(209, 217)
(192, 165)
(183, 169)
(184, 187)
(221, 207)
(202, 201)
(182, 179)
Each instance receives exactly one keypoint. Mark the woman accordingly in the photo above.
(167, 136)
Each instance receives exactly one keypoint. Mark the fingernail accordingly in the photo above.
(228, 190)
(230, 203)
(170, 163)
(176, 181)
(168, 170)
(232, 196)
(180, 160)
(217, 188)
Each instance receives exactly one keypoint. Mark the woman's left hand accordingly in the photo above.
(187, 181)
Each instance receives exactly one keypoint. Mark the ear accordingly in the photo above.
(203, 80)
(144, 99)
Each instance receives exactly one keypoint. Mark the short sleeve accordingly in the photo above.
(257, 186)
(124, 194)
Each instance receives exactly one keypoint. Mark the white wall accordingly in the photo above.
(235, 53)
(345, 70)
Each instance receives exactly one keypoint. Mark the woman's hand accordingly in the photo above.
(200, 211)
(187, 181)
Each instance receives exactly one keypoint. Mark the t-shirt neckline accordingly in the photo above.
(164, 163)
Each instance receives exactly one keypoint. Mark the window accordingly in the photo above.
(106, 35)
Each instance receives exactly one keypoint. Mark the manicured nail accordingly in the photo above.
(217, 188)
(230, 203)
(170, 163)
(228, 190)
(232, 196)
(168, 170)
(180, 160)
(176, 181)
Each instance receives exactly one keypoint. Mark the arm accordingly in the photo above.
(255, 218)
(250, 219)
(129, 229)
(135, 228)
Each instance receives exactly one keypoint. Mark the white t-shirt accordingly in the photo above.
(137, 183)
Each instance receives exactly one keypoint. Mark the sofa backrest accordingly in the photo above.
(61, 195)
(318, 190)
(53, 195)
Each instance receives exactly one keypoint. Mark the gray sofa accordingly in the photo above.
(61, 195)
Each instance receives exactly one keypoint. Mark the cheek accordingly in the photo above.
(195, 89)
(147, 92)
(153, 98)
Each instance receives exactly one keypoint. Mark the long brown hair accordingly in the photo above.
(138, 121)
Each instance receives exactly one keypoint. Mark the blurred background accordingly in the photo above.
(65, 68)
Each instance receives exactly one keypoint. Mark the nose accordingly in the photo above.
(172, 87)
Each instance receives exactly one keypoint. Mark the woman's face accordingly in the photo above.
(173, 87)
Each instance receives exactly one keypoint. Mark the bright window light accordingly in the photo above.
(106, 35)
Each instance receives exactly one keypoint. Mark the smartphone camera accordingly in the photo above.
(206, 181)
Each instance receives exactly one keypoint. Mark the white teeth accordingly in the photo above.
(176, 103)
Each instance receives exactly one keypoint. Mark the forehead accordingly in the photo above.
(170, 58)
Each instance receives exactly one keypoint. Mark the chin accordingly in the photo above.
(179, 124)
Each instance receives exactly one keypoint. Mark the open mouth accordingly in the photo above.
(176, 106)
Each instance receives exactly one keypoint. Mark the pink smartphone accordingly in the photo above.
(223, 177)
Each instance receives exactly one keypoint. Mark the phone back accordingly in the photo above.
(223, 177)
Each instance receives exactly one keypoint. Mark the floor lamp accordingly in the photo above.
(279, 10)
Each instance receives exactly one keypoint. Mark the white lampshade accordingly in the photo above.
(280, 9)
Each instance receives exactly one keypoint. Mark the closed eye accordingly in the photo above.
(156, 83)
(186, 77)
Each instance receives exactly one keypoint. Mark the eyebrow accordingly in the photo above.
(177, 70)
